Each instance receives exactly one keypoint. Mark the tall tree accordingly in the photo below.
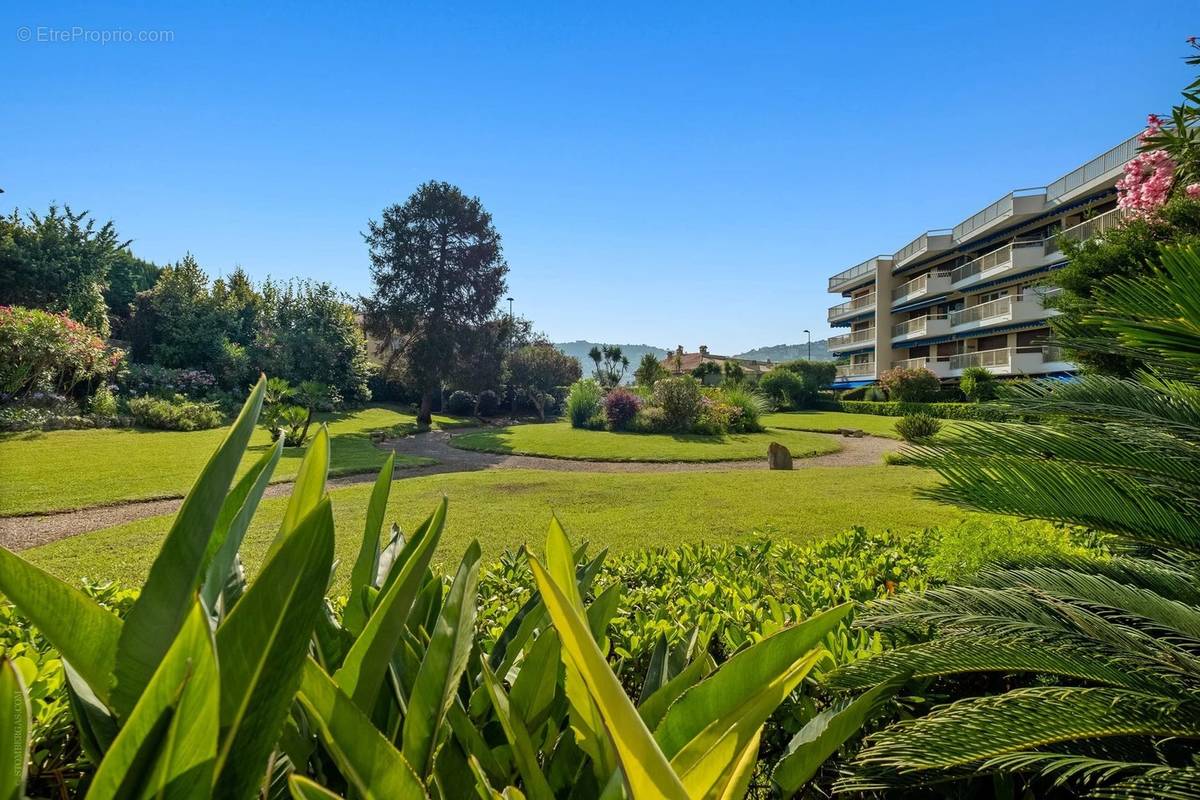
(538, 369)
(438, 271)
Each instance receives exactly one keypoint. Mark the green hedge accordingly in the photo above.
(982, 412)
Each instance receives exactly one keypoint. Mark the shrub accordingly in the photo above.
(488, 403)
(649, 419)
(177, 414)
(649, 371)
(717, 417)
(139, 380)
(751, 404)
(679, 399)
(918, 427)
(873, 394)
(916, 385)
(783, 388)
(40, 351)
(461, 404)
(583, 401)
(103, 403)
(978, 384)
(620, 407)
(981, 412)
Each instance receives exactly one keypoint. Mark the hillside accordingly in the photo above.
(634, 352)
(789, 352)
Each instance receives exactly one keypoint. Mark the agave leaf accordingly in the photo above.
(15, 725)
(647, 772)
(262, 647)
(706, 731)
(523, 751)
(371, 766)
(367, 561)
(443, 665)
(309, 487)
(824, 734)
(169, 593)
(303, 788)
(83, 631)
(168, 744)
(362, 671)
(236, 513)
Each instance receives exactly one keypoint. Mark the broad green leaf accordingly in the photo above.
(537, 678)
(825, 734)
(84, 632)
(168, 744)
(706, 732)
(262, 646)
(309, 487)
(363, 572)
(647, 772)
(655, 707)
(368, 762)
(303, 788)
(170, 589)
(362, 671)
(94, 721)
(523, 751)
(472, 741)
(736, 780)
(602, 610)
(15, 725)
(236, 513)
(443, 665)
(656, 670)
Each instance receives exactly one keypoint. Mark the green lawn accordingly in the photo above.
(61, 470)
(832, 420)
(622, 511)
(560, 440)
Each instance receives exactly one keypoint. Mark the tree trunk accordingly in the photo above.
(539, 402)
(425, 414)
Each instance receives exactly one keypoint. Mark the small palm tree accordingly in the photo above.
(1102, 654)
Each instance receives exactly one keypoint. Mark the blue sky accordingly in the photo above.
(663, 174)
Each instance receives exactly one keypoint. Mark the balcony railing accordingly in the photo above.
(1113, 159)
(864, 336)
(916, 326)
(1001, 208)
(916, 285)
(854, 305)
(991, 260)
(995, 308)
(983, 358)
(854, 273)
(918, 244)
(1088, 229)
(859, 370)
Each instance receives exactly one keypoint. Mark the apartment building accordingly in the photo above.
(972, 295)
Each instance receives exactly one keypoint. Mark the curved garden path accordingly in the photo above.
(19, 533)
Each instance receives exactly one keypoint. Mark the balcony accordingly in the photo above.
(858, 275)
(1093, 228)
(925, 244)
(1011, 361)
(928, 325)
(864, 369)
(1026, 308)
(1094, 174)
(931, 283)
(1013, 207)
(853, 307)
(939, 367)
(1010, 259)
(854, 339)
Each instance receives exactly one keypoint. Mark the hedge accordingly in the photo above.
(981, 412)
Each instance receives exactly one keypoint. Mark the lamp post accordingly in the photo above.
(806, 330)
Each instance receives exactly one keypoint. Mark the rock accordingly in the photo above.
(778, 457)
(854, 433)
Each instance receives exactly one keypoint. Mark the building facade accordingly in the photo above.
(973, 295)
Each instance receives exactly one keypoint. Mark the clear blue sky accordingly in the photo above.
(667, 174)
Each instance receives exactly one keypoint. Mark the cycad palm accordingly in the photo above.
(1110, 647)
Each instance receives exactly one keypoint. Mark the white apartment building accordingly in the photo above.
(972, 295)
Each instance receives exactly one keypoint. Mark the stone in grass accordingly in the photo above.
(778, 457)
(854, 433)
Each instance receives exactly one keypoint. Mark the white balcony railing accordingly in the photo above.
(1003, 307)
(1107, 162)
(863, 369)
(859, 337)
(983, 358)
(915, 327)
(938, 366)
(1088, 229)
(854, 273)
(1003, 207)
(855, 305)
(918, 245)
(989, 261)
(917, 286)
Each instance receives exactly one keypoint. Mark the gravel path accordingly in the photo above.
(19, 533)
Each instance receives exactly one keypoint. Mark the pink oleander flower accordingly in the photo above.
(1146, 184)
(1193, 190)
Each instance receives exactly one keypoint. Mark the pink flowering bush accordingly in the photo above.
(44, 352)
(1146, 184)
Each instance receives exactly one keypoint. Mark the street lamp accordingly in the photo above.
(806, 330)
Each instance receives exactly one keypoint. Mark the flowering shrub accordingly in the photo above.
(141, 380)
(620, 407)
(917, 385)
(717, 417)
(1146, 184)
(40, 351)
(679, 399)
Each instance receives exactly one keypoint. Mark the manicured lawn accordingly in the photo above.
(560, 440)
(832, 420)
(506, 508)
(61, 470)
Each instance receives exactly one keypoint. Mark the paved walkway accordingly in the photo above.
(18, 533)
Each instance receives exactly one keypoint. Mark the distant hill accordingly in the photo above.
(634, 352)
(789, 352)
